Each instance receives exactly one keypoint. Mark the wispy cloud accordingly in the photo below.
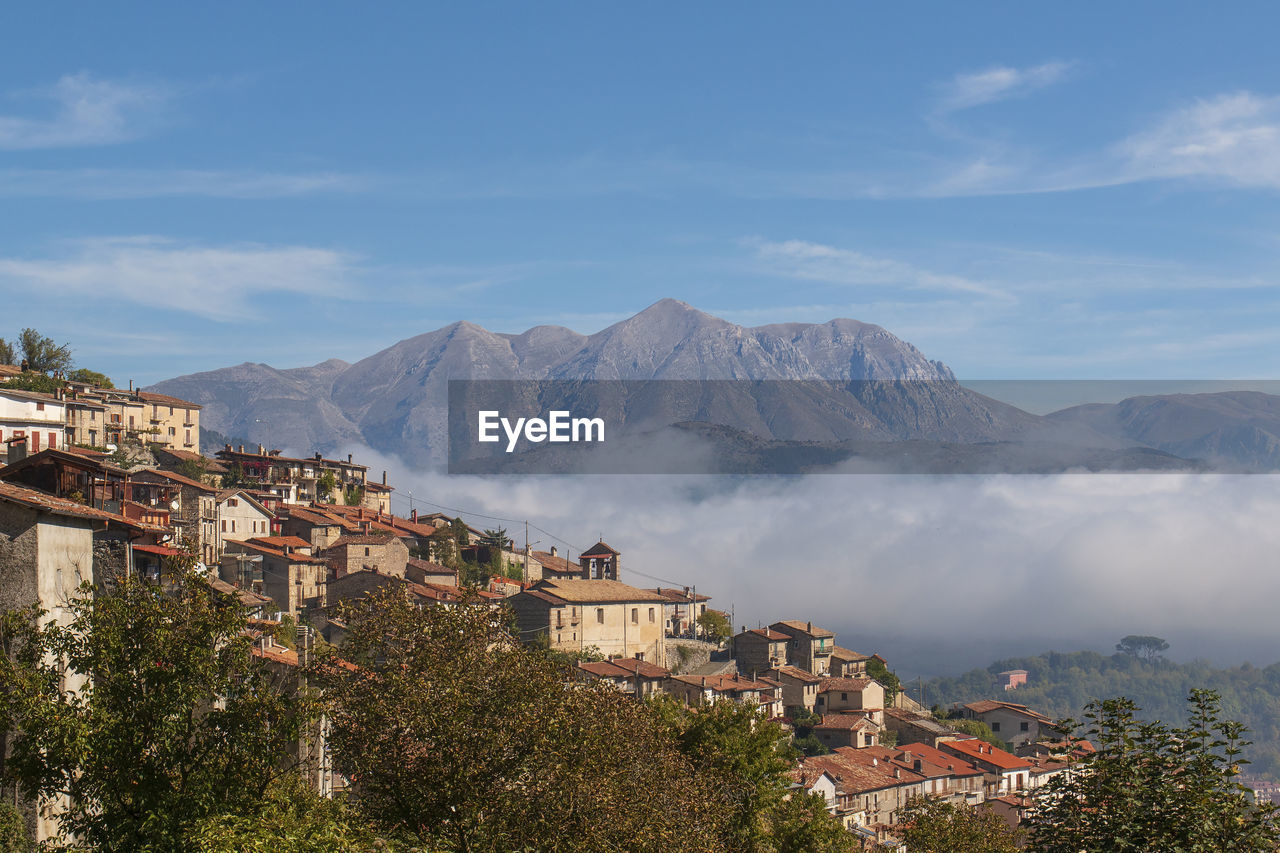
(84, 111)
(999, 83)
(97, 184)
(818, 262)
(1232, 137)
(215, 282)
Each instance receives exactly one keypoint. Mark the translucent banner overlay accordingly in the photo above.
(745, 427)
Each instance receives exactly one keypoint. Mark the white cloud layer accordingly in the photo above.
(160, 183)
(998, 84)
(216, 282)
(86, 111)
(1027, 561)
(818, 262)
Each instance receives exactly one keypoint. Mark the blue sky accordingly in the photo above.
(1023, 191)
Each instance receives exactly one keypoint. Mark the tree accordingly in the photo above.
(937, 826)
(14, 837)
(7, 353)
(92, 377)
(41, 354)
(744, 761)
(877, 669)
(714, 625)
(469, 741)
(326, 485)
(1150, 787)
(292, 819)
(1146, 648)
(146, 708)
(802, 824)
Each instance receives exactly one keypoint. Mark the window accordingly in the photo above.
(600, 615)
(93, 415)
(366, 552)
(130, 421)
(233, 502)
(844, 697)
(39, 407)
(651, 618)
(172, 431)
(53, 442)
(233, 525)
(995, 727)
(224, 525)
(635, 615)
(1026, 727)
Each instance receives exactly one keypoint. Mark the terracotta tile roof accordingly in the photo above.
(282, 541)
(29, 395)
(943, 761)
(427, 567)
(556, 563)
(279, 654)
(318, 519)
(87, 453)
(213, 466)
(624, 668)
(177, 478)
(986, 706)
(725, 683)
(360, 539)
(841, 653)
(253, 545)
(61, 506)
(858, 771)
(678, 596)
(600, 549)
(806, 628)
(166, 400)
(982, 752)
(798, 674)
(850, 685)
(248, 598)
(771, 636)
(846, 722)
(10, 369)
(592, 591)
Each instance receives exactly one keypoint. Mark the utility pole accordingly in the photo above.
(525, 576)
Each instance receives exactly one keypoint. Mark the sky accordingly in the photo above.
(1028, 191)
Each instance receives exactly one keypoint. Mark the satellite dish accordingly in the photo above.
(174, 505)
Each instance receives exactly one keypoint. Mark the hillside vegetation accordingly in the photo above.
(1060, 684)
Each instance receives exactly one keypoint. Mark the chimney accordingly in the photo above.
(553, 550)
(262, 451)
(227, 448)
(704, 681)
(130, 386)
(318, 457)
(810, 627)
(413, 516)
(897, 774)
(875, 762)
(384, 478)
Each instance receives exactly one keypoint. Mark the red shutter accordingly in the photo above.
(35, 442)
(53, 441)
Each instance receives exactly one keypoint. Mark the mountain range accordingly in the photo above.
(864, 389)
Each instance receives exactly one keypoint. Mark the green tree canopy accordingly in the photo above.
(8, 355)
(42, 354)
(472, 742)
(92, 377)
(938, 826)
(1151, 788)
(1145, 647)
(715, 625)
(174, 719)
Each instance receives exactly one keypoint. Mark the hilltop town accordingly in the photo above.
(114, 481)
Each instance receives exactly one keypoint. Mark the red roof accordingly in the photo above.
(59, 506)
(600, 549)
(160, 550)
(983, 752)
